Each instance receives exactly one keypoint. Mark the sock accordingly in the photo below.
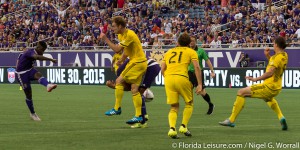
(173, 118)
(43, 81)
(237, 108)
(29, 103)
(144, 112)
(207, 99)
(187, 113)
(137, 101)
(119, 91)
(275, 107)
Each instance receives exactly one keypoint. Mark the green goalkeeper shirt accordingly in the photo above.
(202, 55)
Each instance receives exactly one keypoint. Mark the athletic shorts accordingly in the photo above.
(151, 73)
(24, 78)
(193, 79)
(263, 92)
(176, 85)
(149, 77)
(134, 71)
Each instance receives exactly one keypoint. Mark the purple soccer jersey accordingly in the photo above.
(25, 71)
(153, 70)
(26, 60)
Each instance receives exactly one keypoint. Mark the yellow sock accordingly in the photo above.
(173, 117)
(187, 113)
(237, 107)
(274, 105)
(21, 88)
(137, 101)
(119, 91)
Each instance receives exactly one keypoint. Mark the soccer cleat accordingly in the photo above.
(50, 87)
(34, 117)
(134, 120)
(146, 117)
(139, 125)
(113, 112)
(185, 131)
(283, 124)
(227, 122)
(173, 134)
(210, 109)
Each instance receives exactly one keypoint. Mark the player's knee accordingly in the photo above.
(175, 107)
(38, 75)
(119, 80)
(203, 93)
(241, 92)
(134, 89)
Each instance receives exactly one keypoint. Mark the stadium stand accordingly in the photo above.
(77, 24)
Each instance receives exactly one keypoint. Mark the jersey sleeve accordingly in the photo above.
(275, 62)
(204, 55)
(194, 55)
(127, 41)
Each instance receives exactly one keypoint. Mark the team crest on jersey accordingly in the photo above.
(157, 55)
(11, 75)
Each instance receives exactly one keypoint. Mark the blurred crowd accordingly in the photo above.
(69, 24)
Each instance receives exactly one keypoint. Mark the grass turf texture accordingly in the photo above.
(73, 118)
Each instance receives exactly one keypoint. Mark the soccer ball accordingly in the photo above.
(148, 94)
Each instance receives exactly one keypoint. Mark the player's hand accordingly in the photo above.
(102, 36)
(54, 61)
(267, 51)
(251, 78)
(198, 89)
(212, 74)
(110, 84)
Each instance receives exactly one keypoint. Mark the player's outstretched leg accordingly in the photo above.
(275, 107)
(43, 81)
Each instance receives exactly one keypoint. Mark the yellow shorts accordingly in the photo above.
(176, 85)
(263, 92)
(134, 71)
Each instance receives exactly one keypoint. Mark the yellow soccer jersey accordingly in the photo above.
(116, 57)
(132, 46)
(178, 59)
(279, 61)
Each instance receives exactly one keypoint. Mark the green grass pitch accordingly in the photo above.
(73, 118)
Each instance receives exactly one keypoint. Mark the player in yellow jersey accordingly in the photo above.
(270, 88)
(116, 58)
(134, 70)
(175, 70)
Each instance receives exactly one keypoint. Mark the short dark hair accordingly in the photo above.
(184, 39)
(43, 44)
(119, 20)
(280, 41)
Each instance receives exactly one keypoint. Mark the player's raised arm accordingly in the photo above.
(115, 47)
(267, 53)
(41, 57)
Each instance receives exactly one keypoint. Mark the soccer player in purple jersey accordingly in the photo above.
(26, 73)
(153, 69)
